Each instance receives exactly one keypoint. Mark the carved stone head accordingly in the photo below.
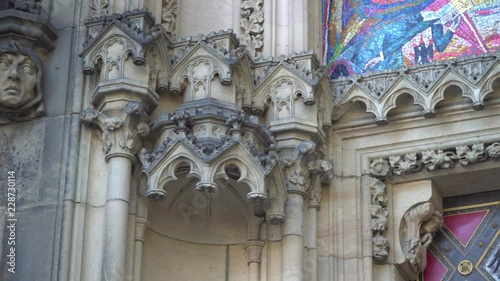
(20, 83)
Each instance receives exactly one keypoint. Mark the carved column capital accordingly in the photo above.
(141, 225)
(420, 224)
(121, 132)
(295, 167)
(254, 249)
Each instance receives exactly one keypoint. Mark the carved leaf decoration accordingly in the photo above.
(98, 7)
(470, 156)
(433, 160)
(404, 166)
(251, 4)
(169, 16)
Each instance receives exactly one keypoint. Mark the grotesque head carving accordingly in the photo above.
(20, 83)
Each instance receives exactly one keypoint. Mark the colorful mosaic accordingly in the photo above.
(363, 36)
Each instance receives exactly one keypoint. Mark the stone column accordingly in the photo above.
(254, 250)
(303, 174)
(312, 253)
(120, 136)
(140, 227)
(319, 170)
(293, 237)
(116, 220)
(283, 39)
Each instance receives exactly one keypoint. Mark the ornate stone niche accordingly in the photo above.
(24, 32)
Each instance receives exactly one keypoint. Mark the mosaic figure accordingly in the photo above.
(374, 35)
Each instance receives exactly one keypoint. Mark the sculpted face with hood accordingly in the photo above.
(20, 81)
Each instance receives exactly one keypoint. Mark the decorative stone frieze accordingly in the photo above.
(425, 83)
(379, 167)
(251, 23)
(435, 159)
(121, 133)
(169, 16)
(379, 219)
(420, 224)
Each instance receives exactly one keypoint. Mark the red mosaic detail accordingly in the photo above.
(435, 270)
(463, 226)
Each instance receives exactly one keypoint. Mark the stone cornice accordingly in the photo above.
(425, 83)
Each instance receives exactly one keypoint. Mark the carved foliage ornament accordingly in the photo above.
(420, 225)
(120, 134)
(252, 18)
(98, 8)
(434, 159)
(294, 168)
(379, 219)
(169, 16)
(21, 89)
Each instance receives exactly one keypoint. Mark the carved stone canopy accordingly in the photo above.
(215, 141)
(128, 52)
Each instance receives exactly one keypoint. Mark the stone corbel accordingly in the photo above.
(418, 216)
(419, 227)
(120, 132)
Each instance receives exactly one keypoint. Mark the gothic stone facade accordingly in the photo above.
(146, 146)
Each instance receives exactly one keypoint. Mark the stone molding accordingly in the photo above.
(425, 83)
(402, 165)
(121, 132)
(379, 219)
(433, 160)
